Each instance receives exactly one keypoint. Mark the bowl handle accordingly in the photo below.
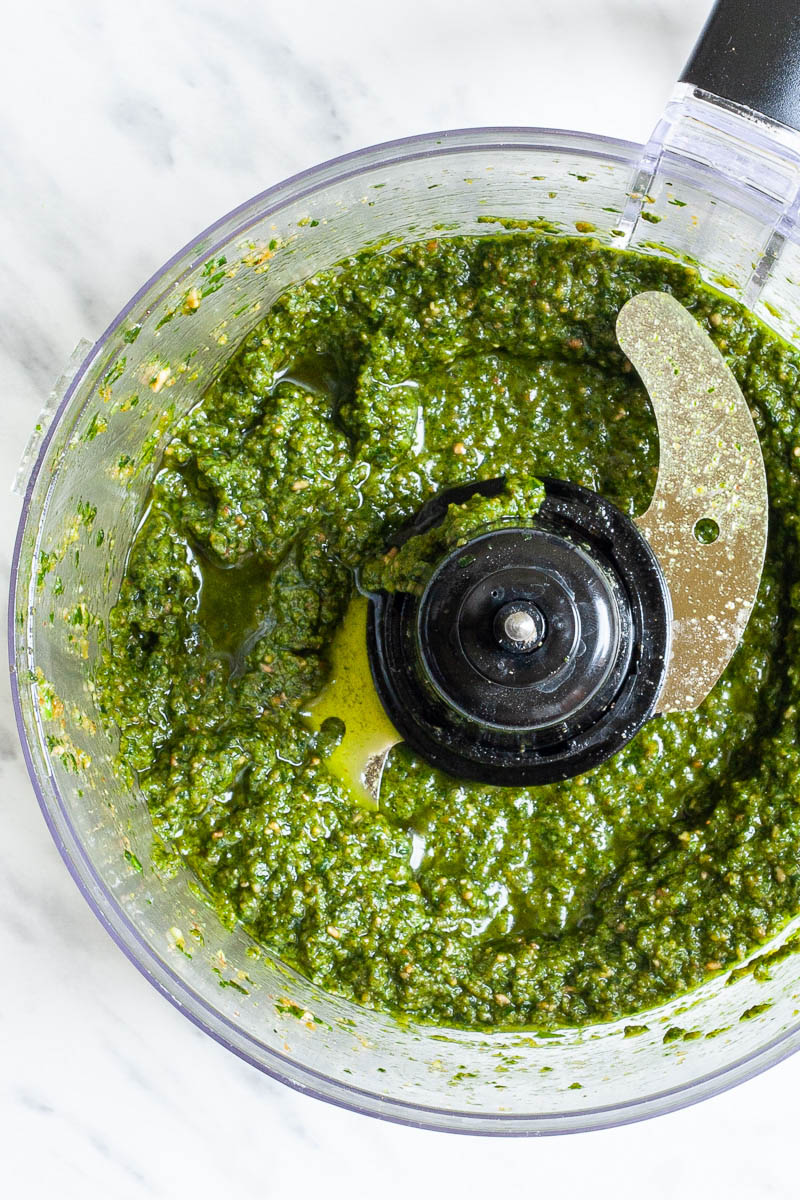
(749, 52)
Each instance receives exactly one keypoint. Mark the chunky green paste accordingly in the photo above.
(409, 567)
(363, 392)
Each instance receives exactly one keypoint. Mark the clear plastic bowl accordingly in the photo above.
(88, 472)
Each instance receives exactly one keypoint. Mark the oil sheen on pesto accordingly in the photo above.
(364, 391)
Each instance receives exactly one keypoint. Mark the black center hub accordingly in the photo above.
(578, 612)
(534, 653)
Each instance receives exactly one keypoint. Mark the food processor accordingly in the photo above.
(717, 186)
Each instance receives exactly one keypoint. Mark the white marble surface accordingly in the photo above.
(127, 128)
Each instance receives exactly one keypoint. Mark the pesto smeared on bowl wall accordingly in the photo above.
(363, 392)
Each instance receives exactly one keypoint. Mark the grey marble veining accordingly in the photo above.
(125, 130)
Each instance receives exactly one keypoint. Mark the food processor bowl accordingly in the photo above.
(85, 482)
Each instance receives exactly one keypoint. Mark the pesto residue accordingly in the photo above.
(409, 567)
(365, 391)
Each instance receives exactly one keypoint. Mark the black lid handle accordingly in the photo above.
(749, 52)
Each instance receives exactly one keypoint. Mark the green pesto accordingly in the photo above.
(365, 391)
(409, 568)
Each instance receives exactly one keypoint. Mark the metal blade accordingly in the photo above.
(350, 696)
(710, 468)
